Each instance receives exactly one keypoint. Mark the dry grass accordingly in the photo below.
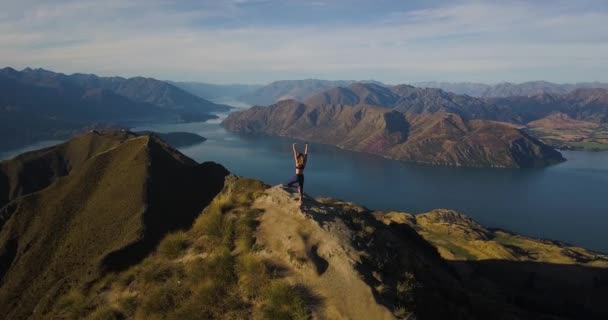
(211, 271)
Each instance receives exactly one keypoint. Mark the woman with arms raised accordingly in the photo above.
(300, 159)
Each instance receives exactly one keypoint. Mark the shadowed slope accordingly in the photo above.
(118, 196)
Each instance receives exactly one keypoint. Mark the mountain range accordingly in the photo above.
(292, 89)
(115, 225)
(37, 104)
(303, 89)
(508, 89)
(582, 104)
(434, 138)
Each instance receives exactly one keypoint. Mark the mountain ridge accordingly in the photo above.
(437, 138)
(507, 89)
(37, 104)
(85, 206)
(136, 229)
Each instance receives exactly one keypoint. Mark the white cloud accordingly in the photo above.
(472, 41)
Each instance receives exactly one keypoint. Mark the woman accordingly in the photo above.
(300, 160)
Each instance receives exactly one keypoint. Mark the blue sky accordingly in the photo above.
(258, 41)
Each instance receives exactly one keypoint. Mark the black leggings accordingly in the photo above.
(299, 179)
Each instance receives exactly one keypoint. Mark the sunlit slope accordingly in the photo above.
(458, 237)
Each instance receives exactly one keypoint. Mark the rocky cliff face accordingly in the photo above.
(436, 138)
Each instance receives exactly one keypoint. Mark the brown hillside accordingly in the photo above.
(105, 201)
(437, 138)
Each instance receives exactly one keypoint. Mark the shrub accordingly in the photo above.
(162, 299)
(220, 267)
(252, 275)
(72, 305)
(159, 271)
(215, 227)
(244, 232)
(174, 245)
(283, 302)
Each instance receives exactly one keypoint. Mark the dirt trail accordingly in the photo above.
(312, 247)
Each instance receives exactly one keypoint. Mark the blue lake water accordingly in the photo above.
(566, 202)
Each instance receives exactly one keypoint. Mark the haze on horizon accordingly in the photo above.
(258, 41)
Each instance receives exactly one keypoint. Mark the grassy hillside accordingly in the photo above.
(211, 271)
(125, 227)
(104, 206)
(458, 237)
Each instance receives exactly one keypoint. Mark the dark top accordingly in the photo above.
(303, 165)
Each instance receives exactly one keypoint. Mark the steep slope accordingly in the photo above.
(434, 100)
(95, 204)
(552, 278)
(356, 93)
(36, 170)
(155, 92)
(405, 98)
(440, 138)
(253, 253)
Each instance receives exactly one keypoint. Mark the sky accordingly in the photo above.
(259, 41)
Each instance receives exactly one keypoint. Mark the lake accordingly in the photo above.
(565, 202)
